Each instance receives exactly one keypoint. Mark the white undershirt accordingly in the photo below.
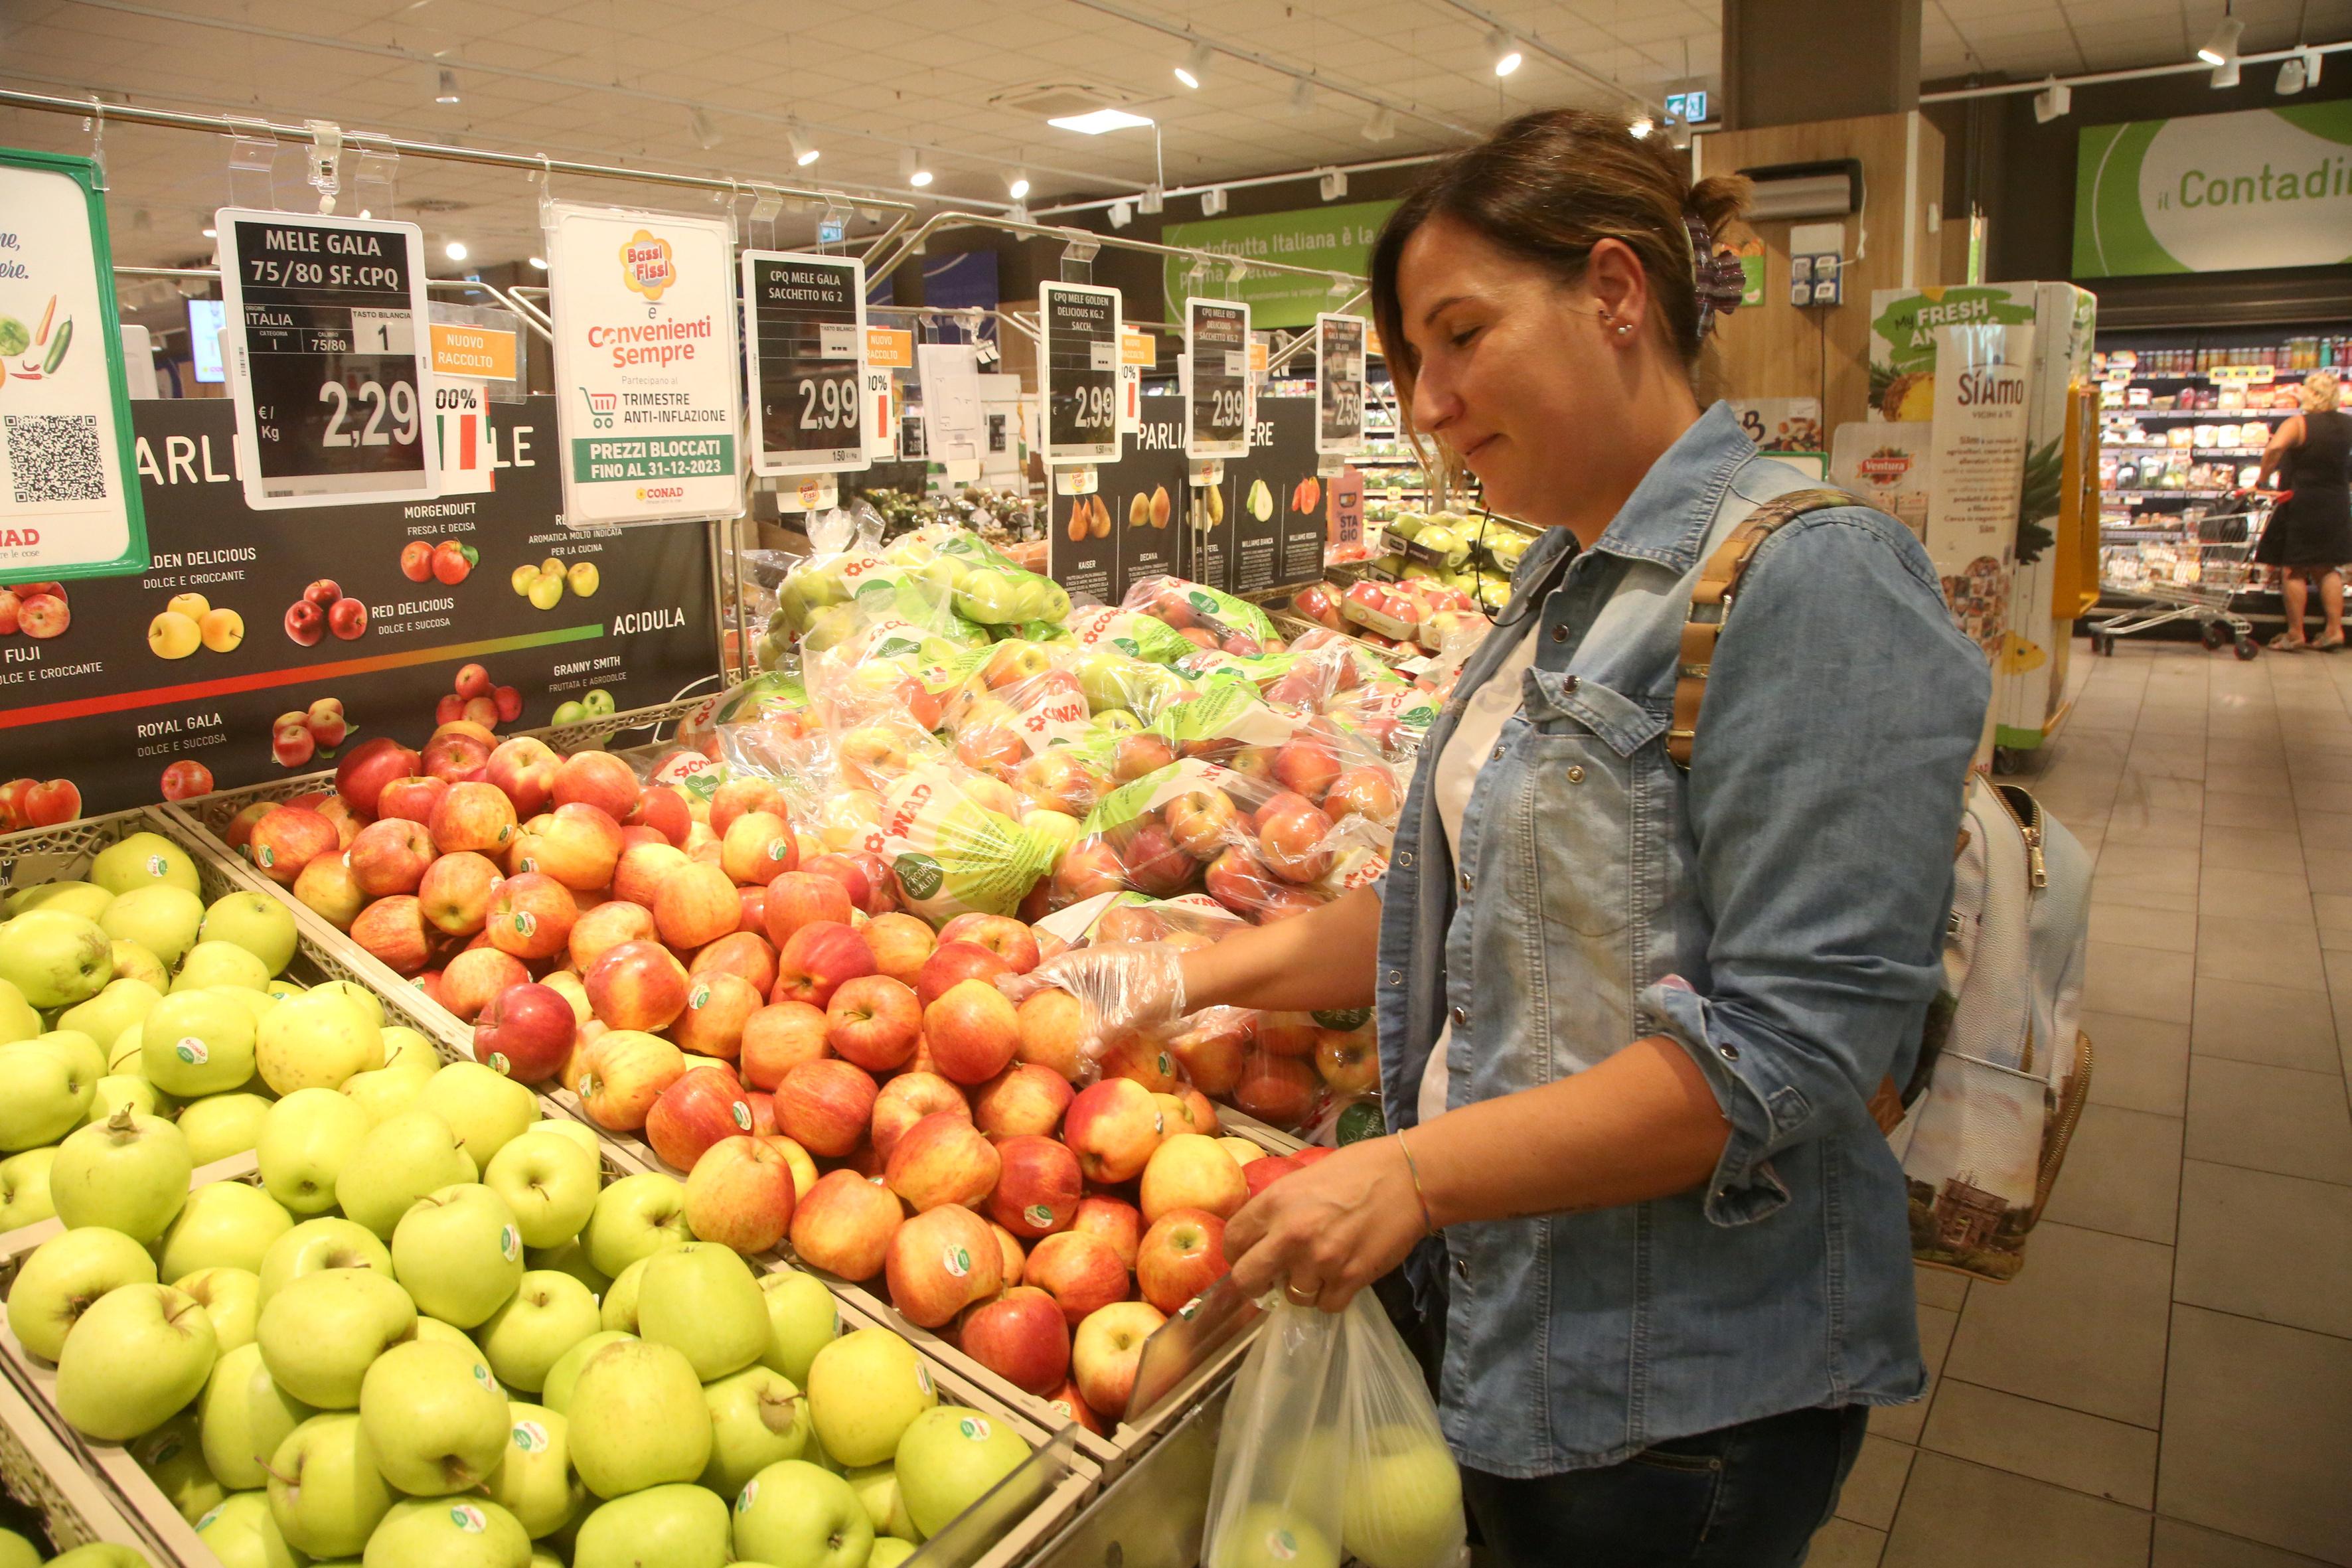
(1470, 748)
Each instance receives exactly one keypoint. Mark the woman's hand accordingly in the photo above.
(1326, 1232)
(1127, 986)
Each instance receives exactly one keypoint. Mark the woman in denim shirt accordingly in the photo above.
(1639, 1181)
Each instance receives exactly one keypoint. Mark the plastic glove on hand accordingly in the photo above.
(1130, 985)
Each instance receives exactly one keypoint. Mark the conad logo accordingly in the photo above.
(660, 492)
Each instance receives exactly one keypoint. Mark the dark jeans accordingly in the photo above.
(1742, 1497)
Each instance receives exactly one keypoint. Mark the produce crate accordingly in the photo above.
(76, 1506)
(1154, 1514)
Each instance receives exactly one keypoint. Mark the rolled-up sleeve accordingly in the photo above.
(1841, 714)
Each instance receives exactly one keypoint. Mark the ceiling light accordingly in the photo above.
(455, 250)
(1642, 127)
(1302, 95)
(446, 90)
(2226, 75)
(1098, 121)
(1381, 127)
(1152, 199)
(705, 128)
(919, 178)
(2222, 46)
(1018, 184)
(1212, 201)
(2052, 101)
(1121, 215)
(1334, 185)
(211, 233)
(2291, 77)
(1196, 64)
(1506, 52)
(540, 262)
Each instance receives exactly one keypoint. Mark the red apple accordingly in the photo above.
(1117, 1225)
(900, 944)
(625, 1075)
(973, 1030)
(1141, 1057)
(1112, 1127)
(796, 899)
(908, 1098)
(719, 1004)
(758, 848)
(392, 932)
(1009, 939)
(1072, 1407)
(843, 1224)
(664, 810)
(1238, 879)
(778, 1039)
(636, 986)
(599, 779)
(323, 593)
(1053, 1030)
(1039, 1189)
(1367, 792)
(1024, 1098)
(1291, 844)
(1088, 870)
(284, 840)
(1182, 1255)
(1154, 863)
(826, 1106)
(763, 1116)
(458, 756)
(327, 889)
(740, 796)
(1288, 1033)
(578, 845)
(1200, 821)
(740, 1195)
(1210, 1050)
(474, 978)
(531, 916)
(873, 1020)
(390, 857)
(953, 963)
(816, 959)
(1137, 753)
(850, 874)
(507, 700)
(475, 817)
(526, 1033)
(701, 1106)
(413, 797)
(1021, 1337)
(695, 905)
(942, 1159)
(741, 953)
(1079, 1271)
(305, 622)
(1279, 1089)
(642, 868)
(524, 769)
(941, 1262)
(472, 680)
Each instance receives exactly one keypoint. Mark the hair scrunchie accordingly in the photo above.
(1716, 275)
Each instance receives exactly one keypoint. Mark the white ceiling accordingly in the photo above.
(616, 80)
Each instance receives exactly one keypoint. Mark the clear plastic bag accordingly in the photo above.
(1330, 1449)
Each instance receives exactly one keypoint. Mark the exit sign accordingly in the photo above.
(1690, 108)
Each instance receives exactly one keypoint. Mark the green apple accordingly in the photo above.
(566, 1258)
(55, 959)
(101, 1554)
(701, 1297)
(533, 1480)
(317, 1244)
(159, 916)
(620, 1311)
(231, 1297)
(676, 1526)
(141, 859)
(64, 1276)
(550, 1181)
(219, 1125)
(124, 1056)
(307, 1138)
(173, 1458)
(132, 961)
(399, 1161)
(87, 900)
(802, 1319)
(256, 923)
(888, 1552)
(1269, 1535)
(638, 1419)
(78, 1047)
(319, 1333)
(578, 1132)
(1404, 1507)
(224, 1225)
(258, 1003)
(117, 1091)
(16, 1551)
(218, 963)
(487, 1110)
(19, 1019)
(245, 1417)
(457, 1251)
(358, 995)
(135, 1357)
(387, 1091)
(449, 1532)
(877, 1486)
(25, 1189)
(196, 1042)
(316, 1040)
(434, 1329)
(117, 1007)
(865, 1390)
(548, 1314)
(240, 1532)
(48, 1094)
(328, 1490)
(636, 1217)
(404, 1048)
(796, 1515)
(129, 1173)
(948, 1459)
(757, 1417)
(435, 1416)
(564, 1375)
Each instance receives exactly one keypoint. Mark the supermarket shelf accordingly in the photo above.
(2183, 495)
(2239, 415)
(2165, 449)
(2276, 375)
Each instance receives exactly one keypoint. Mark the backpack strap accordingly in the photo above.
(1711, 596)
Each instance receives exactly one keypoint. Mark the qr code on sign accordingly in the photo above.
(55, 458)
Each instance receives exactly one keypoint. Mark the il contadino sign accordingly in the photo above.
(2215, 193)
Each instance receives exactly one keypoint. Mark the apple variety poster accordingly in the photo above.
(67, 507)
(645, 356)
(254, 647)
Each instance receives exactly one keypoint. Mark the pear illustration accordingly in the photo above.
(1261, 502)
(1160, 508)
(1101, 517)
(1216, 507)
(1138, 512)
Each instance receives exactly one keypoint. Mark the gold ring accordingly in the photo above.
(1290, 1293)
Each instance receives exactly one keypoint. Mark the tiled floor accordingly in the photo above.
(2170, 1382)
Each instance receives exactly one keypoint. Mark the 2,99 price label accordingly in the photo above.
(330, 358)
(1339, 384)
(1080, 371)
(807, 319)
(1217, 399)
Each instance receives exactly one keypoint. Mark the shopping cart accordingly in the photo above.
(600, 406)
(2189, 572)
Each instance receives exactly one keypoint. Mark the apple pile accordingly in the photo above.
(37, 803)
(324, 608)
(434, 1333)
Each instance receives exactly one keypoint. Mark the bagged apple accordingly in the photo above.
(1127, 632)
(955, 845)
(1203, 614)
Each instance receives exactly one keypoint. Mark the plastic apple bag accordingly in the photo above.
(1403, 1490)
(1203, 616)
(1126, 631)
(953, 840)
(1277, 1494)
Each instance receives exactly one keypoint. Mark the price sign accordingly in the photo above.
(807, 319)
(1339, 384)
(1079, 372)
(330, 358)
(1217, 402)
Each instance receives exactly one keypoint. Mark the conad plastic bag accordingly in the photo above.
(1330, 1449)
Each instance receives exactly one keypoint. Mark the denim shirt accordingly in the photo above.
(1778, 911)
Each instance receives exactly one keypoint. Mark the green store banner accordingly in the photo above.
(2215, 193)
(1338, 240)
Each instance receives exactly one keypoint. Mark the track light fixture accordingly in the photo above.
(2055, 99)
(705, 128)
(1302, 95)
(2222, 46)
(1506, 51)
(2298, 71)
(1212, 201)
(2226, 75)
(1334, 185)
(804, 151)
(446, 89)
(1017, 182)
(1152, 199)
(1121, 215)
(1194, 66)
(1381, 127)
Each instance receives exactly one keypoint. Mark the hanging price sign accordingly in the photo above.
(807, 321)
(1339, 384)
(1217, 400)
(1079, 374)
(330, 358)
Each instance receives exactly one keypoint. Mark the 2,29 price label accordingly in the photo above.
(1217, 401)
(807, 319)
(1080, 371)
(1339, 384)
(332, 366)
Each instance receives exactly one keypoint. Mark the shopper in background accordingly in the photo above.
(1630, 1018)
(2310, 534)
